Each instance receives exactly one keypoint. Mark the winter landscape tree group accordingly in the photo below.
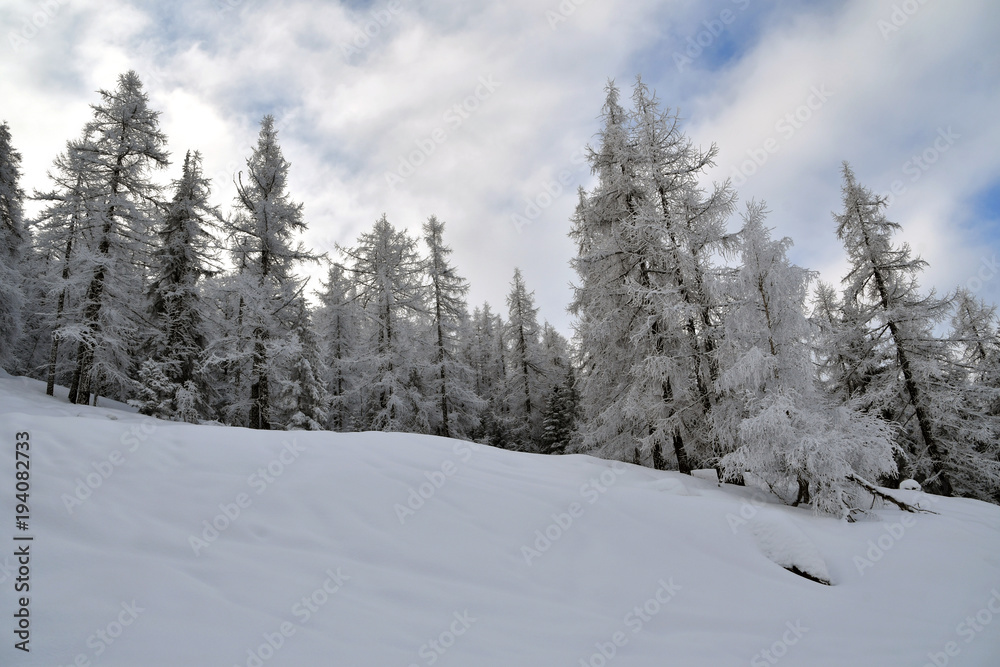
(695, 346)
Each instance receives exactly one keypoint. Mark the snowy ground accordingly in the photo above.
(324, 552)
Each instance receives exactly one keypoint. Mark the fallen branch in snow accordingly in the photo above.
(875, 491)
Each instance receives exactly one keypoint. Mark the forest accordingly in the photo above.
(694, 346)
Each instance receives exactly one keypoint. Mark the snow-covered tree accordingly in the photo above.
(304, 394)
(174, 382)
(487, 355)
(62, 230)
(262, 233)
(770, 407)
(451, 381)
(645, 303)
(884, 299)
(387, 274)
(121, 145)
(13, 239)
(525, 366)
(338, 322)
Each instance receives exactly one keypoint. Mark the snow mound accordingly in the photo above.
(673, 486)
(707, 474)
(910, 485)
(782, 542)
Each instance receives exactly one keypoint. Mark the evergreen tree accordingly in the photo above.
(338, 322)
(770, 407)
(487, 355)
(458, 405)
(121, 144)
(262, 232)
(645, 303)
(387, 274)
(882, 292)
(13, 242)
(525, 389)
(174, 384)
(306, 399)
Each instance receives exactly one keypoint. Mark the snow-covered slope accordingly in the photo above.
(168, 544)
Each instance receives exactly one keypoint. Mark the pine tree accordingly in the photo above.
(387, 274)
(13, 242)
(266, 221)
(122, 143)
(645, 303)
(458, 405)
(174, 384)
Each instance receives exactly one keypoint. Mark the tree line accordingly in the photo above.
(694, 346)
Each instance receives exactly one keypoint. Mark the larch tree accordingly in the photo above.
(338, 322)
(174, 381)
(13, 242)
(121, 145)
(882, 292)
(647, 314)
(525, 367)
(263, 231)
(770, 406)
(487, 356)
(458, 405)
(388, 277)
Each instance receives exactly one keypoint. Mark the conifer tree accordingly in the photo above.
(262, 233)
(525, 390)
(458, 405)
(338, 321)
(13, 242)
(121, 145)
(387, 274)
(174, 384)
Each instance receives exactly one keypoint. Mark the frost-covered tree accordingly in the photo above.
(451, 378)
(882, 293)
(645, 302)
(525, 367)
(121, 145)
(173, 378)
(392, 373)
(13, 240)
(304, 395)
(784, 433)
(262, 232)
(487, 355)
(338, 322)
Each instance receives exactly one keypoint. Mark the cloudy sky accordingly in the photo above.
(479, 112)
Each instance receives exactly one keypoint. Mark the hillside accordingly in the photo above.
(377, 550)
